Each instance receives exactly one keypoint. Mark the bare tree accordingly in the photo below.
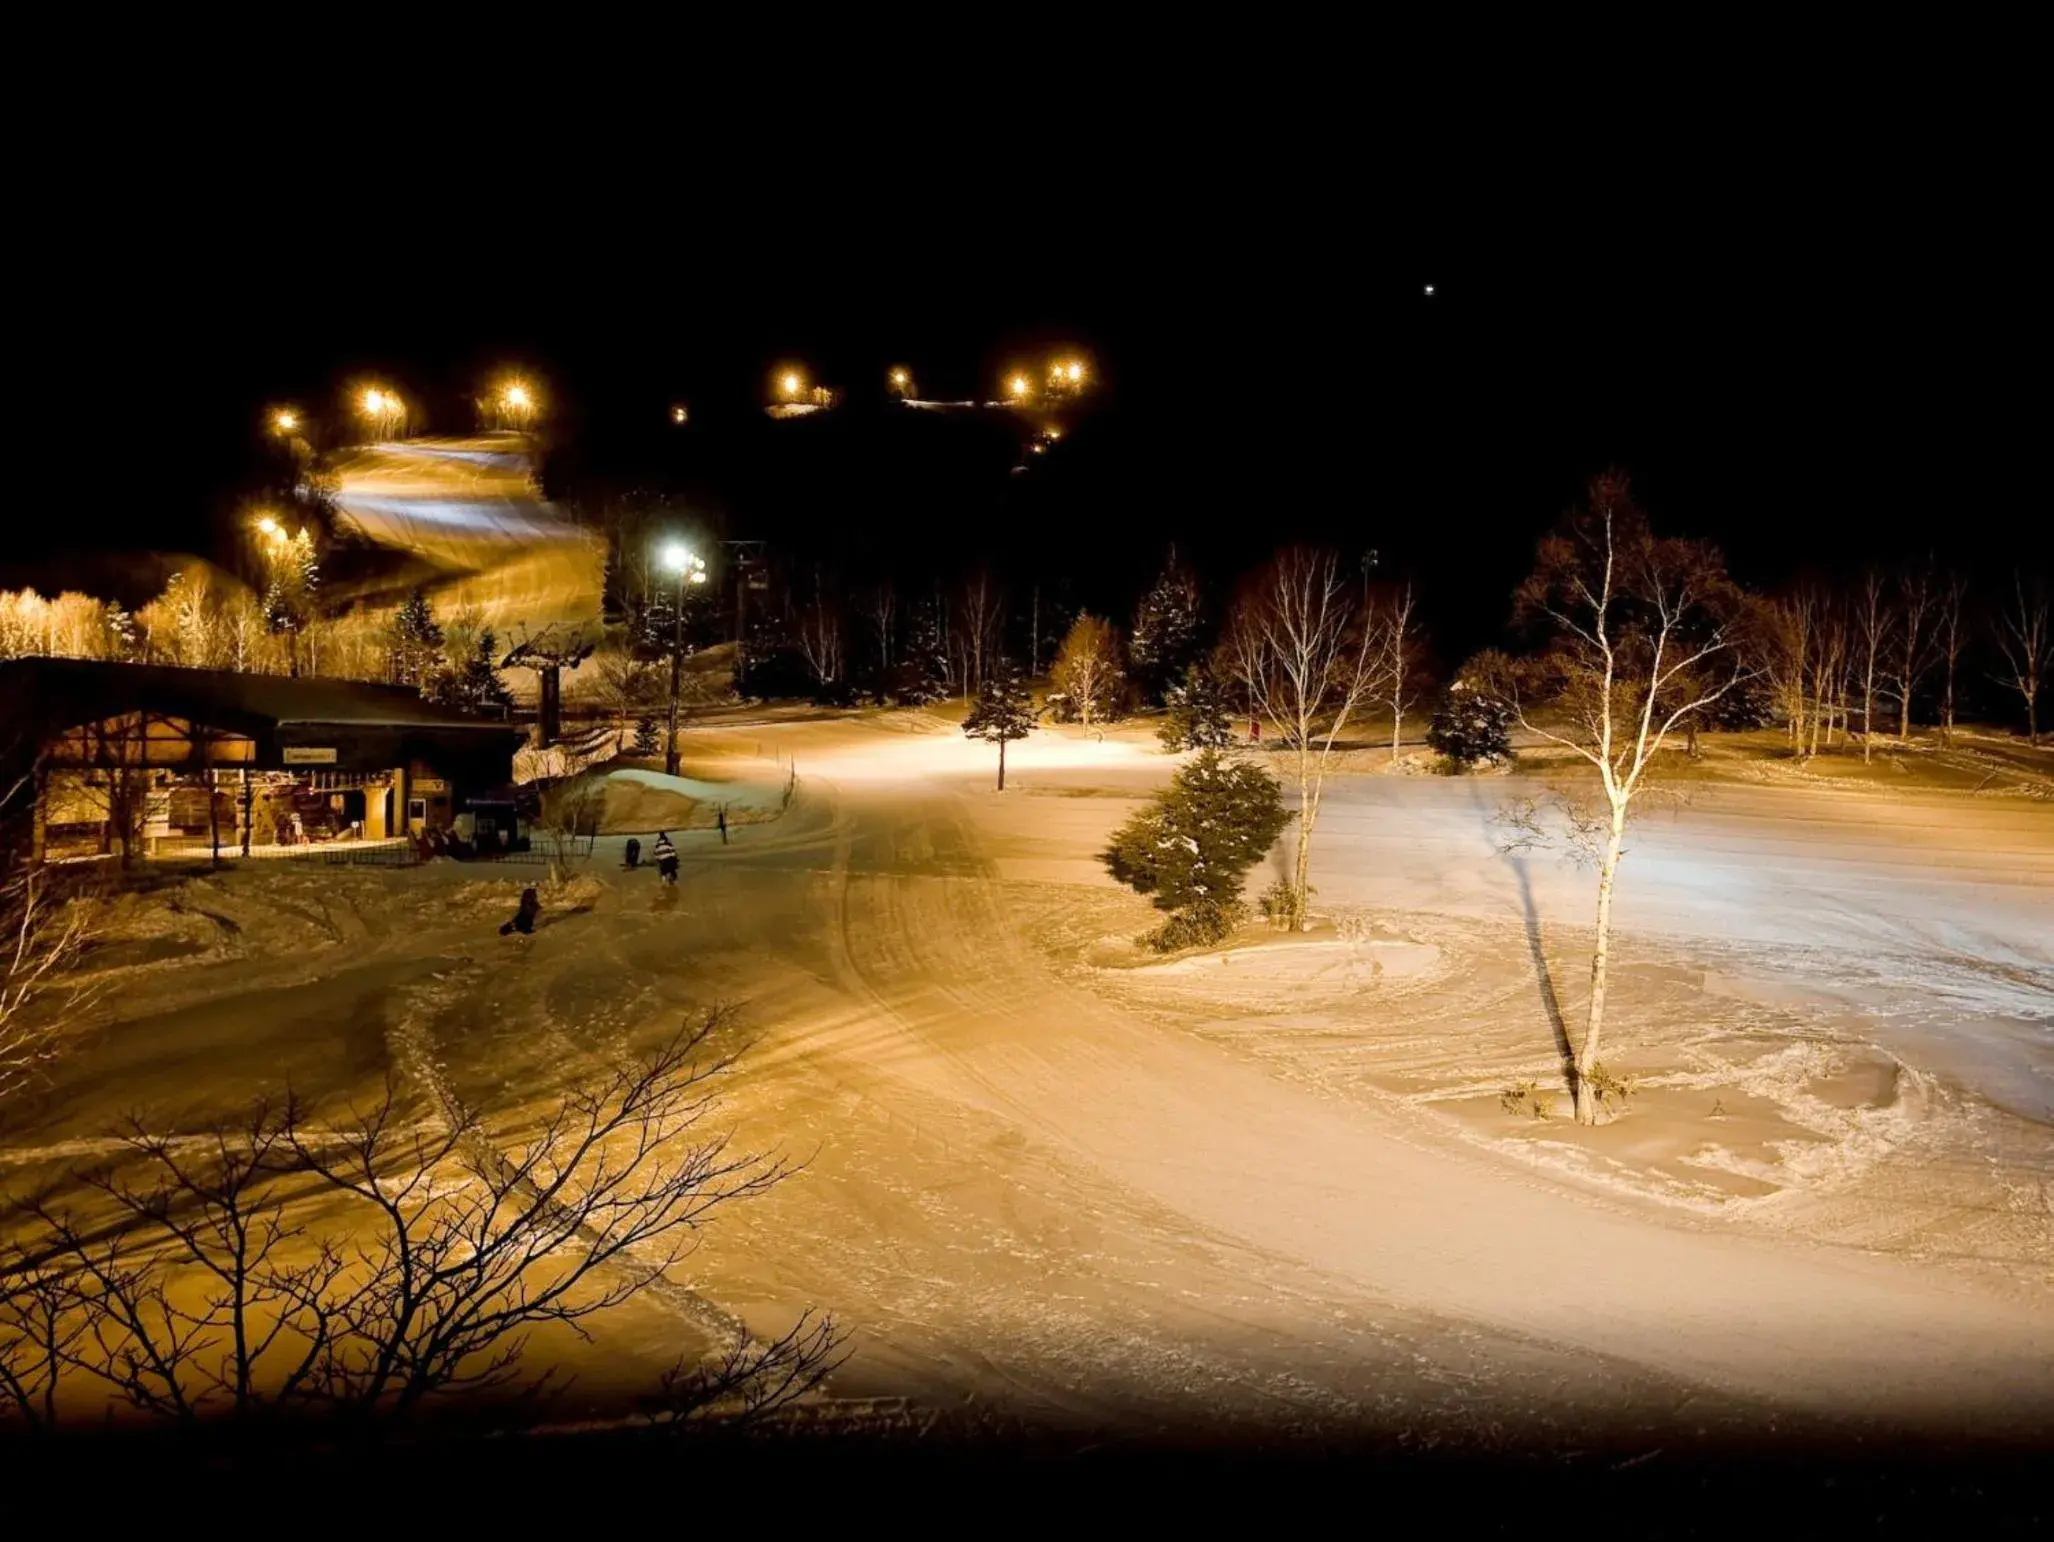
(979, 611)
(820, 634)
(1828, 669)
(1912, 655)
(1401, 660)
(570, 813)
(1633, 617)
(1783, 635)
(1872, 628)
(1087, 668)
(2026, 642)
(1305, 648)
(1951, 642)
(628, 686)
(881, 609)
(44, 936)
(214, 1279)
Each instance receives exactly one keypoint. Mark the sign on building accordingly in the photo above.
(309, 755)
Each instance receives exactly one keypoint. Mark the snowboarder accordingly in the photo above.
(666, 857)
(524, 918)
(633, 855)
(723, 824)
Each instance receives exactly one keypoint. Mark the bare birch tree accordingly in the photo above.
(820, 634)
(1307, 651)
(978, 612)
(1872, 628)
(1950, 641)
(1087, 670)
(881, 608)
(1633, 617)
(2025, 641)
(1912, 655)
(1401, 661)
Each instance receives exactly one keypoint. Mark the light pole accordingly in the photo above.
(690, 570)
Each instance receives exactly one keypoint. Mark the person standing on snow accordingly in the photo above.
(524, 918)
(723, 824)
(666, 857)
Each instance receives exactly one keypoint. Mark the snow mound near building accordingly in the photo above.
(639, 802)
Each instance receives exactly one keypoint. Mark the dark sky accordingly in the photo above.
(1812, 375)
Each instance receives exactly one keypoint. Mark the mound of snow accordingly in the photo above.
(639, 802)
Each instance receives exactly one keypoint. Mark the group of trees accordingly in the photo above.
(204, 619)
(1837, 661)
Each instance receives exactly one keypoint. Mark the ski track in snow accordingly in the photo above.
(1055, 1188)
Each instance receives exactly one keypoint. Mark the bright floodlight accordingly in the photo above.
(1075, 372)
(374, 401)
(268, 525)
(1017, 385)
(678, 414)
(517, 396)
(898, 377)
(285, 420)
(676, 558)
(1429, 289)
(790, 383)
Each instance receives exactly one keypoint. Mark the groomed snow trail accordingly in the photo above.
(939, 993)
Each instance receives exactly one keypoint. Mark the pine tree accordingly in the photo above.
(920, 674)
(416, 642)
(1002, 712)
(1470, 725)
(475, 684)
(1191, 849)
(290, 595)
(1165, 638)
(1199, 717)
(647, 741)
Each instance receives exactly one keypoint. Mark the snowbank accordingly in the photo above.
(638, 802)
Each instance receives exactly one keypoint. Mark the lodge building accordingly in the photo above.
(116, 755)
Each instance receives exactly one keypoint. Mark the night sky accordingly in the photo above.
(1811, 382)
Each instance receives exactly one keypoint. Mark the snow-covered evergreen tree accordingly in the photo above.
(1200, 715)
(290, 595)
(1191, 848)
(648, 742)
(1471, 725)
(416, 642)
(1002, 712)
(1165, 637)
(920, 673)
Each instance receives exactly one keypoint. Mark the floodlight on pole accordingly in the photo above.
(676, 557)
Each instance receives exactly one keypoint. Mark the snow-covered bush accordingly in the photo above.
(1470, 726)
